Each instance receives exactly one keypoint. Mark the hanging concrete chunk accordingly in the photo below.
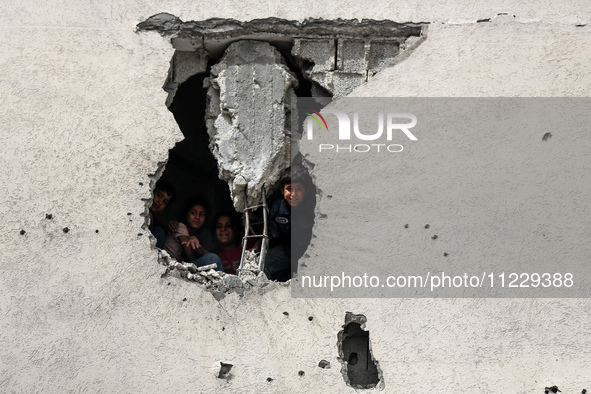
(248, 117)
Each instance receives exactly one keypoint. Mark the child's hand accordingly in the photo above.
(192, 243)
(173, 225)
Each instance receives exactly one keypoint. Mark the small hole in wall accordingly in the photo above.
(359, 368)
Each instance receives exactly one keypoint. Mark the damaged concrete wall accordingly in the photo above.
(84, 126)
(248, 118)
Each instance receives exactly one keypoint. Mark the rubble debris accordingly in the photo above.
(249, 272)
(218, 282)
(206, 267)
(224, 370)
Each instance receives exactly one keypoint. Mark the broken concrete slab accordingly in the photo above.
(351, 56)
(248, 118)
(225, 28)
(187, 64)
(183, 66)
(320, 52)
(190, 45)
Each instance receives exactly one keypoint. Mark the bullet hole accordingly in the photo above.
(406, 226)
(434, 237)
(48, 216)
(224, 370)
(139, 234)
(359, 368)
(184, 299)
(223, 328)
(286, 313)
(301, 373)
(311, 318)
(141, 183)
(66, 230)
(324, 364)
(427, 226)
(582, 25)
(584, 391)
(546, 137)
(23, 232)
(445, 254)
(553, 389)
(128, 213)
(96, 231)
(269, 380)
(168, 283)
(329, 196)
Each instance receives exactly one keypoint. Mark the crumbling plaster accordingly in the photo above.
(84, 124)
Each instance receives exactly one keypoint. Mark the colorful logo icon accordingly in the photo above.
(315, 115)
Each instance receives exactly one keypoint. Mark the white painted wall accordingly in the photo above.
(84, 123)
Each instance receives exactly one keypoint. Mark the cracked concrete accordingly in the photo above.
(248, 118)
(339, 55)
(84, 123)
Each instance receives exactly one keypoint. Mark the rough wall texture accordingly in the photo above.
(249, 132)
(84, 124)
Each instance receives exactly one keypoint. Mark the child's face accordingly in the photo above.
(224, 231)
(196, 217)
(293, 193)
(160, 201)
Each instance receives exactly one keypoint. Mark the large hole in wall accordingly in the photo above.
(315, 58)
(193, 170)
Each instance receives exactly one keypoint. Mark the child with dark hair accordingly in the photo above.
(293, 214)
(227, 233)
(183, 244)
(164, 195)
